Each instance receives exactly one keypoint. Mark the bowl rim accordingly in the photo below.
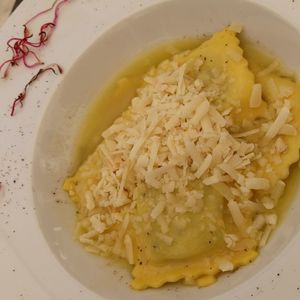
(27, 117)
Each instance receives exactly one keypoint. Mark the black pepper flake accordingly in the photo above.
(141, 263)
(210, 242)
(278, 274)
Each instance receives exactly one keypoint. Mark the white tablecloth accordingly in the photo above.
(5, 9)
(17, 281)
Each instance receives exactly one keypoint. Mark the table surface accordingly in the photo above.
(16, 282)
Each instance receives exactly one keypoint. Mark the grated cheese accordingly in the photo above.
(278, 190)
(204, 166)
(90, 203)
(280, 145)
(230, 240)
(224, 190)
(271, 219)
(157, 210)
(236, 27)
(129, 249)
(97, 224)
(288, 129)
(257, 183)
(265, 236)
(227, 168)
(225, 265)
(201, 111)
(246, 133)
(256, 96)
(271, 68)
(165, 238)
(278, 123)
(268, 203)
(237, 215)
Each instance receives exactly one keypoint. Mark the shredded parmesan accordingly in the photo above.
(256, 96)
(268, 203)
(204, 166)
(224, 190)
(265, 236)
(247, 133)
(278, 123)
(257, 183)
(165, 238)
(280, 145)
(97, 224)
(230, 240)
(288, 129)
(237, 215)
(225, 265)
(278, 190)
(271, 68)
(271, 219)
(129, 249)
(201, 111)
(157, 210)
(236, 27)
(232, 172)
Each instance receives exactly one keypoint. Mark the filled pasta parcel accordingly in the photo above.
(185, 184)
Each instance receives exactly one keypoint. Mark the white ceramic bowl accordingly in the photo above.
(112, 51)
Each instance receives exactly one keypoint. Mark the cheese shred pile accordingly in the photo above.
(191, 173)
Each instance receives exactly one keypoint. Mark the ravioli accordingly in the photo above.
(194, 255)
(193, 233)
(269, 83)
(223, 57)
(185, 183)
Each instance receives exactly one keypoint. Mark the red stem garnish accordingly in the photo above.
(21, 48)
(20, 99)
